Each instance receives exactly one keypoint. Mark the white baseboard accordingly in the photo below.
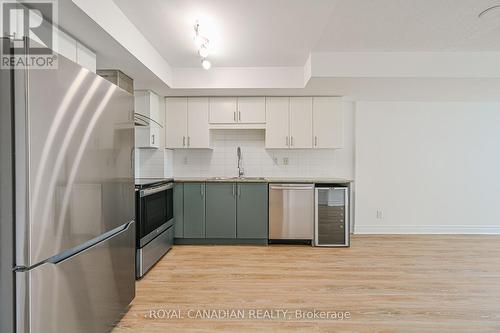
(427, 229)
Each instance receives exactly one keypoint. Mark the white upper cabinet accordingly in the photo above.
(328, 122)
(147, 104)
(237, 110)
(85, 57)
(198, 132)
(176, 126)
(66, 45)
(186, 122)
(277, 122)
(251, 110)
(147, 136)
(75, 51)
(223, 110)
(301, 122)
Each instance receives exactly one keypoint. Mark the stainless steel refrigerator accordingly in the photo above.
(72, 192)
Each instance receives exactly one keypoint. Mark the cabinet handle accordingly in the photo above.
(233, 189)
(291, 141)
(286, 141)
(315, 141)
(132, 158)
(189, 141)
(234, 116)
(239, 190)
(184, 141)
(239, 115)
(202, 190)
(153, 138)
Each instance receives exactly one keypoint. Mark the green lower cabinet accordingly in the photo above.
(252, 216)
(179, 210)
(221, 210)
(194, 210)
(221, 213)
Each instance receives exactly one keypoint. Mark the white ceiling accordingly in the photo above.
(241, 32)
(283, 32)
(411, 25)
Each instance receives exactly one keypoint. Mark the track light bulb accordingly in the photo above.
(206, 64)
(203, 51)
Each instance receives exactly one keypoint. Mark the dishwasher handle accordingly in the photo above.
(294, 188)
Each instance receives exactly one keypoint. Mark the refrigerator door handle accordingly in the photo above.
(69, 253)
(65, 255)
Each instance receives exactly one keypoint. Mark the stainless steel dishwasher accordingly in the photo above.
(291, 213)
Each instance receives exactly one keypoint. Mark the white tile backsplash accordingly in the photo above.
(149, 163)
(256, 161)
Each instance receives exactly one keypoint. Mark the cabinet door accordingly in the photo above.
(252, 210)
(85, 57)
(251, 110)
(154, 136)
(141, 136)
(147, 103)
(194, 210)
(328, 122)
(221, 210)
(154, 106)
(301, 122)
(223, 110)
(147, 136)
(176, 122)
(277, 122)
(179, 210)
(66, 45)
(198, 132)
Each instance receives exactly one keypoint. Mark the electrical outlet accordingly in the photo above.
(379, 214)
(285, 160)
(185, 160)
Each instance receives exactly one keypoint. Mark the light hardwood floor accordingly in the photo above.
(387, 283)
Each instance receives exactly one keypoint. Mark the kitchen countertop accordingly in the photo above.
(140, 182)
(318, 180)
(222, 180)
(263, 180)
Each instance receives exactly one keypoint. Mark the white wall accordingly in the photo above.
(429, 167)
(258, 161)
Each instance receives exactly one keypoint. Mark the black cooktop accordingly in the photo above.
(147, 182)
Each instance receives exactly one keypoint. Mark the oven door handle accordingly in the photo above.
(149, 191)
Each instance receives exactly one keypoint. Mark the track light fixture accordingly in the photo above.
(202, 43)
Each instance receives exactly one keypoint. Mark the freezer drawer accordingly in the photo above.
(87, 292)
(291, 211)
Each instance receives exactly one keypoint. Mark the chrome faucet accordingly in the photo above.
(241, 172)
